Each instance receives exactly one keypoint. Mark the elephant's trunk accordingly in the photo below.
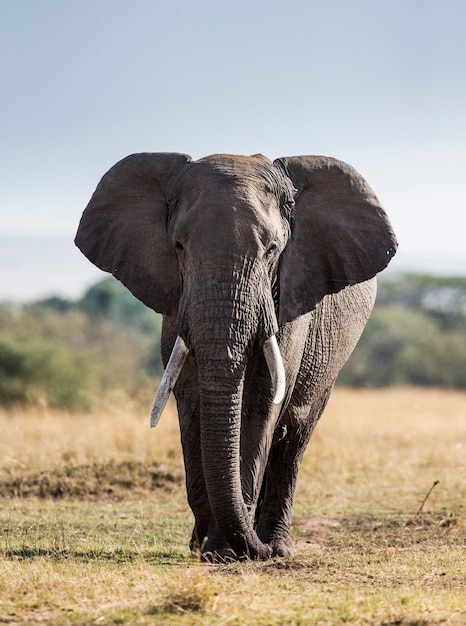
(223, 331)
(221, 390)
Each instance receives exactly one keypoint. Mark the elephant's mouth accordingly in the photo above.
(178, 356)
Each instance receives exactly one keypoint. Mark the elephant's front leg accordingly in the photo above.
(188, 411)
(275, 512)
(186, 392)
(259, 417)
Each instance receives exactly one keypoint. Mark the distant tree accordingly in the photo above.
(407, 347)
(57, 303)
(109, 298)
(436, 294)
(16, 369)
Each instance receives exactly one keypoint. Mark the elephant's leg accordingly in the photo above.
(187, 397)
(274, 514)
(195, 483)
(206, 541)
(333, 330)
(259, 417)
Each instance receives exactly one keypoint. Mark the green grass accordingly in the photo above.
(116, 552)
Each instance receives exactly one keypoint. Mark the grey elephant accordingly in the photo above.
(265, 275)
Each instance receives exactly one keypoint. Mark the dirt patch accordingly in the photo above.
(94, 481)
(390, 531)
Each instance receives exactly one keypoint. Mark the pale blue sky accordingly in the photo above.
(380, 84)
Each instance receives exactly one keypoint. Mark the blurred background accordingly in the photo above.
(380, 85)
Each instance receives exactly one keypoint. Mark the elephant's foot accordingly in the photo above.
(281, 543)
(213, 548)
(226, 555)
(198, 538)
(283, 547)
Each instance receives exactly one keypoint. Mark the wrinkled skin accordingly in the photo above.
(232, 250)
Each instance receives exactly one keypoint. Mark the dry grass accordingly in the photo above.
(94, 521)
(382, 450)
(41, 438)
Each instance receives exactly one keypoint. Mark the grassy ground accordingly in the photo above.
(94, 522)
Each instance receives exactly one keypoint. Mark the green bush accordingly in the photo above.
(41, 371)
(65, 357)
(407, 347)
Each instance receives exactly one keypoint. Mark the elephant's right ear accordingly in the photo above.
(340, 233)
(123, 229)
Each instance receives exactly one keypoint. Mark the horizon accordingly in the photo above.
(74, 274)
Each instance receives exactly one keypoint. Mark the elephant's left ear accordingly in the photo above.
(340, 234)
(123, 229)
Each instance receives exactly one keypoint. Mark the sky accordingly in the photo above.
(380, 84)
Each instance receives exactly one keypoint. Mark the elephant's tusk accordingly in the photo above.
(170, 375)
(276, 369)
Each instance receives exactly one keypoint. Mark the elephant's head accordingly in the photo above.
(231, 247)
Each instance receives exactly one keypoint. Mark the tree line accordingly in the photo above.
(416, 335)
(65, 353)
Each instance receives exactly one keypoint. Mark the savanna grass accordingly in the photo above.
(94, 521)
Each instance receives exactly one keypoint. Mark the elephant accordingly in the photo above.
(265, 275)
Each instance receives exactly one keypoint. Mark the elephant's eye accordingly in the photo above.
(179, 246)
(272, 250)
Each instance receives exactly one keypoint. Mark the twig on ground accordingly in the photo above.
(434, 484)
